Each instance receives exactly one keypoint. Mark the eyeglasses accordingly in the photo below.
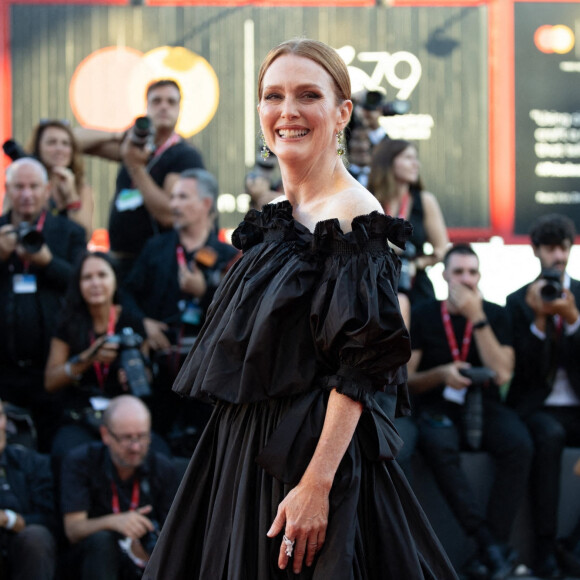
(128, 440)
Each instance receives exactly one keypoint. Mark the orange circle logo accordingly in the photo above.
(554, 39)
(108, 87)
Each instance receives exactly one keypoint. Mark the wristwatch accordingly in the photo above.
(68, 368)
(480, 324)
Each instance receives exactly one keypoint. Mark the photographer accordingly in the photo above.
(450, 339)
(140, 206)
(172, 285)
(546, 386)
(115, 495)
(394, 180)
(37, 251)
(84, 360)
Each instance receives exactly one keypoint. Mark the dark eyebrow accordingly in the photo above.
(302, 87)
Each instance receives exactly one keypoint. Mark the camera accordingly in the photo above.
(406, 276)
(141, 133)
(14, 150)
(479, 375)
(374, 100)
(131, 361)
(149, 540)
(29, 237)
(472, 416)
(552, 289)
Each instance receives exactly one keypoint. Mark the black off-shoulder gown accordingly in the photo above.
(299, 314)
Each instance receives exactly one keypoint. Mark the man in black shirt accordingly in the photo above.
(449, 338)
(140, 207)
(27, 510)
(172, 285)
(116, 495)
(33, 279)
(546, 386)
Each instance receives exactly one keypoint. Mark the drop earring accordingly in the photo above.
(341, 150)
(265, 152)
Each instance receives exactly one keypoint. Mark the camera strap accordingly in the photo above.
(39, 228)
(116, 505)
(102, 369)
(451, 340)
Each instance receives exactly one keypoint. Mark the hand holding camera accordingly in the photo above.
(139, 143)
(547, 297)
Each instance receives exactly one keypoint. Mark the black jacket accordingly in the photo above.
(534, 357)
(28, 489)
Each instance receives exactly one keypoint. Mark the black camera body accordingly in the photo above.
(141, 134)
(374, 100)
(406, 276)
(14, 150)
(131, 361)
(479, 375)
(29, 237)
(552, 289)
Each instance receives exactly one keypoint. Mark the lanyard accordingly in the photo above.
(403, 206)
(39, 228)
(180, 255)
(465, 343)
(102, 369)
(116, 506)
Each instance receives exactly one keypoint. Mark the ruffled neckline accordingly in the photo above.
(279, 217)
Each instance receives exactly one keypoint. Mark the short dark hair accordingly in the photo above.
(552, 230)
(163, 83)
(461, 249)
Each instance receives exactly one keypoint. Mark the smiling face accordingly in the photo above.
(97, 282)
(55, 148)
(299, 111)
(406, 166)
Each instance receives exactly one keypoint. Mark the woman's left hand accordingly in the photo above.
(303, 515)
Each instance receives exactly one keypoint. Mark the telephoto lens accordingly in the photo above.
(552, 289)
(141, 132)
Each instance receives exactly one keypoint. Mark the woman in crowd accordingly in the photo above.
(394, 180)
(83, 361)
(291, 479)
(53, 143)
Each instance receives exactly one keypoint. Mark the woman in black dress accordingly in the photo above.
(394, 180)
(294, 475)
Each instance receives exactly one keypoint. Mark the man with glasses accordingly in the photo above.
(115, 495)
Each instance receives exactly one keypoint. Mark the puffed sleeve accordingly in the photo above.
(356, 322)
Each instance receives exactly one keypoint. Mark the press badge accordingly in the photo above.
(191, 313)
(24, 283)
(128, 199)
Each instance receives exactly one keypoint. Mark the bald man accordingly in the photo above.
(116, 494)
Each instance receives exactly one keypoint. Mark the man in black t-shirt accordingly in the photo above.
(449, 338)
(116, 495)
(140, 207)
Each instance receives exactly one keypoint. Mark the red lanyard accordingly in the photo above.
(403, 206)
(173, 140)
(102, 369)
(180, 254)
(39, 228)
(116, 506)
(465, 343)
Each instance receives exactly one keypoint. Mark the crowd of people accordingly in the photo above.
(295, 366)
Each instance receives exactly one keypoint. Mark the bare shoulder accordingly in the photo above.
(429, 199)
(351, 203)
